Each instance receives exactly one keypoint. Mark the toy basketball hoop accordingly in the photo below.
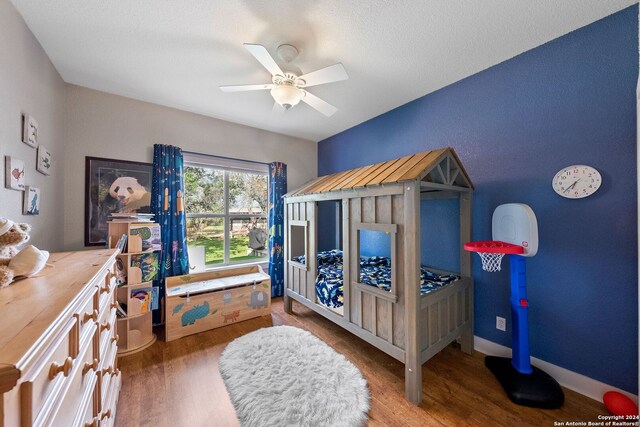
(492, 251)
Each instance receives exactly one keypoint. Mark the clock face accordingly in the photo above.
(576, 182)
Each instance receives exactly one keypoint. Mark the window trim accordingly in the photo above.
(305, 228)
(388, 228)
(227, 165)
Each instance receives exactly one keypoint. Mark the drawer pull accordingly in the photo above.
(108, 370)
(105, 326)
(89, 366)
(65, 368)
(115, 338)
(93, 316)
(92, 423)
(105, 414)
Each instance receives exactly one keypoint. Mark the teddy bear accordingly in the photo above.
(16, 263)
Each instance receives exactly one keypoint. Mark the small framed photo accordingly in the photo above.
(30, 131)
(43, 163)
(31, 201)
(14, 173)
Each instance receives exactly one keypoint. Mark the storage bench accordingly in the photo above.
(203, 301)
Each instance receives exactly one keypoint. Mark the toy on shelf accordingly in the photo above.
(136, 269)
(515, 233)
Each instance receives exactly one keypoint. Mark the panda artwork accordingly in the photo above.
(114, 186)
(130, 195)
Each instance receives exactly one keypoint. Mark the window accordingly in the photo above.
(377, 254)
(226, 209)
(298, 242)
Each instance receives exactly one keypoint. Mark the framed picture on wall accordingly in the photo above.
(29, 130)
(31, 204)
(113, 186)
(43, 162)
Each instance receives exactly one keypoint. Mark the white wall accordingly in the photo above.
(30, 84)
(104, 125)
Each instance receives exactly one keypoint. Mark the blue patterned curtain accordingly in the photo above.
(168, 206)
(277, 189)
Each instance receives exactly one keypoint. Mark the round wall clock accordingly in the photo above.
(576, 182)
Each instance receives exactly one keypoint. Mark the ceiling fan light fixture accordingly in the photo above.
(287, 96)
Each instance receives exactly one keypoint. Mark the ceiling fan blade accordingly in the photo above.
(243, 88)
(332, 73)
(262, 55)
(277, 109)
(320, 105)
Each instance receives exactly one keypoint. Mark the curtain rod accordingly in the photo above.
(224, 157)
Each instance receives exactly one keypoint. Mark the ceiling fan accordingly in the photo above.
(289, 85)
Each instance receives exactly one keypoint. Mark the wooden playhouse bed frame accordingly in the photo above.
(386, 197)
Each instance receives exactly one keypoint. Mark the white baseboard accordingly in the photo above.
(569, 379)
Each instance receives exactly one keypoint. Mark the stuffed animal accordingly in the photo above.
(16, 263)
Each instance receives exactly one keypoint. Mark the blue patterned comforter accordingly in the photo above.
(374, 271)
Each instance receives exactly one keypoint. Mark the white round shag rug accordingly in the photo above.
(285, 376)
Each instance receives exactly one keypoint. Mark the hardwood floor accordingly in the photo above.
(178, 383)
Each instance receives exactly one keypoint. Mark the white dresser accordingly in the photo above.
(58, 344)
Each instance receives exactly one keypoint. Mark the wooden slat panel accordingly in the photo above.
(394, 177)
(313, 188)
(354, 178)
(368, 209)
(383, 315)
(367, 301)
(429, 160)
(336, 179)
(397, 217)
(434, 334)
(411, 264)
(345, 178)
(346, 258)
(406, 168)
(397, 164)
(387, 169)
(312, 248)
(356, 212)
(380, 167)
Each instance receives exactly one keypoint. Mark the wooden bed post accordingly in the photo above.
(412, 363)
(466, 340)
(287, 299)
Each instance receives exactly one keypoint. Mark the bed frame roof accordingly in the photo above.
(440, 166)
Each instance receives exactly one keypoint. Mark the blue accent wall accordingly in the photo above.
(514, 125)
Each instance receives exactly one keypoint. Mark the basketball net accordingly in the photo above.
(491, 262)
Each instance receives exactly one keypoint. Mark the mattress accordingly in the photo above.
(374, 271)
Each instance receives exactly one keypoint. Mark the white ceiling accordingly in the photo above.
(176, 53)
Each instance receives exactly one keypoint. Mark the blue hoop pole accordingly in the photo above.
(520, 359)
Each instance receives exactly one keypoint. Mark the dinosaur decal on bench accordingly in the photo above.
(197, 312)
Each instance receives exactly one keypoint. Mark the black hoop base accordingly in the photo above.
(536, 390)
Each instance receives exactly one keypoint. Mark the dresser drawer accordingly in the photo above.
(80, 383)
(106, 327)
(47, 376)
(86, 416)
(87, 314)
(107, 415)
(106, 286)
(108, 370)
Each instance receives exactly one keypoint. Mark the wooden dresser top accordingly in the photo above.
(31, 309)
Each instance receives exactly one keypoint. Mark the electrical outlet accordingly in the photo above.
(501, 323)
